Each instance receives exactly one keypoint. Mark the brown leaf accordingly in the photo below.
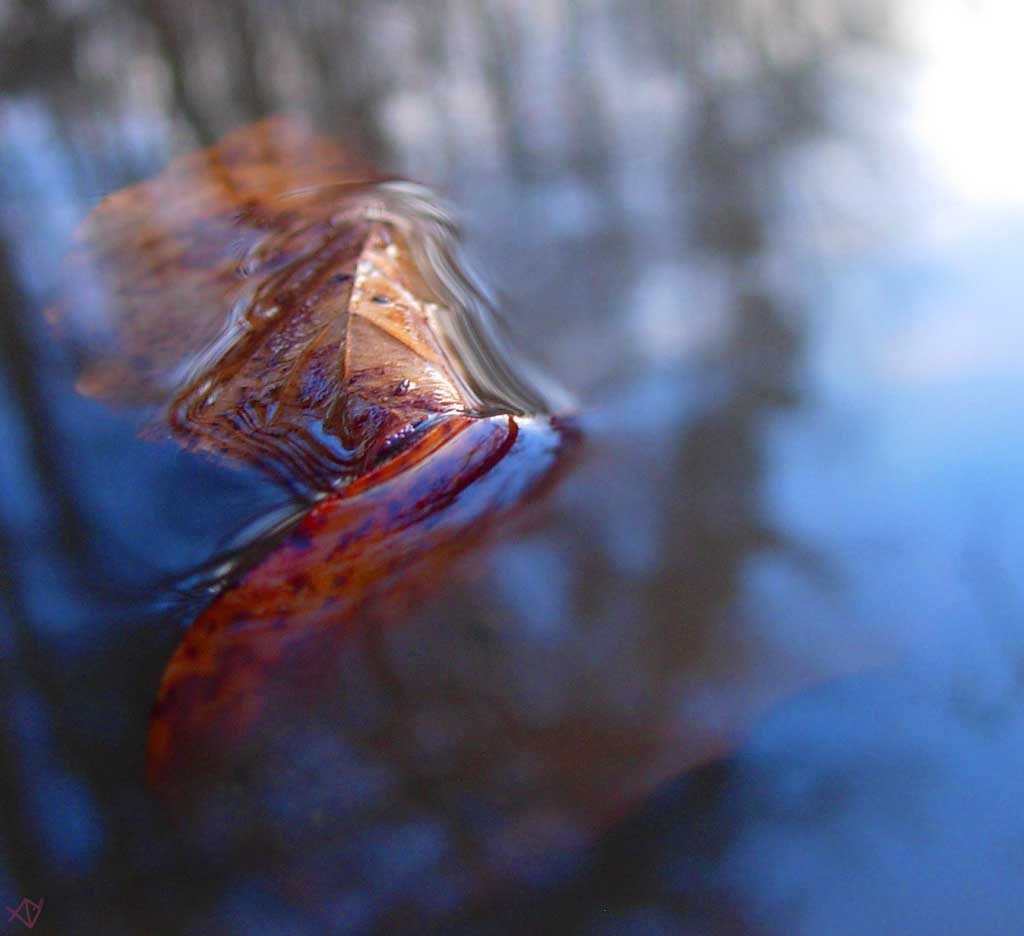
(284, 307)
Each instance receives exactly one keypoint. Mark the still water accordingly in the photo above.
(754, 667)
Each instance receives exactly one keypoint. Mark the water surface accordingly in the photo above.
(774, 250)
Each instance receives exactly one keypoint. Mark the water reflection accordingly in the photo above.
(717, 225)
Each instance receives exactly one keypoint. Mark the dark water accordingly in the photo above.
(774, 249)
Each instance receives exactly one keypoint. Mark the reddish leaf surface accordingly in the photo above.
(391, 534)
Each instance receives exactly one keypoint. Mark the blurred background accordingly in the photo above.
(774, 248)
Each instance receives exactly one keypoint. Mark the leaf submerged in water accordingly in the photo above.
(283, 306)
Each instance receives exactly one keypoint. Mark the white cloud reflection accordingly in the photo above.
(965, 108)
